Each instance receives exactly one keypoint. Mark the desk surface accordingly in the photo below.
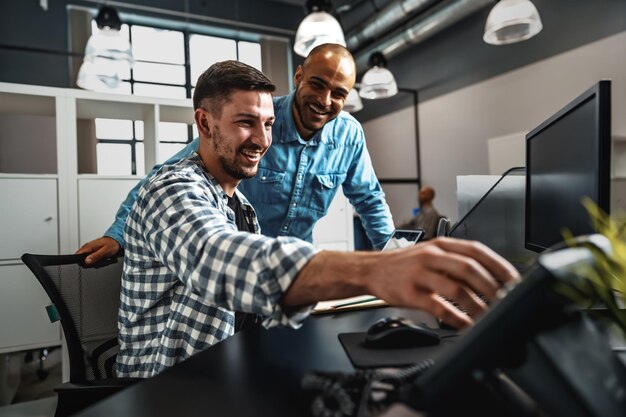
(254, 373)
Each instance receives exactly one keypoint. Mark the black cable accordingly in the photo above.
(339, 394)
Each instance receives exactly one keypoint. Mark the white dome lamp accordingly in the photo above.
(317, 28)
(378, 81)
(107, 54)
(512, 21)
(353, 102)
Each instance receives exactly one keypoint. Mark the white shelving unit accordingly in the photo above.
(54, 212)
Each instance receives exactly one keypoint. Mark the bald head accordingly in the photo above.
(333, 57)
(328, 51)
(322, 83)
(426, 195)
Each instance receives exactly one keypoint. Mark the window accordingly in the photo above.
(167, 64)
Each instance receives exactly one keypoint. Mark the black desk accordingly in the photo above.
(254, 373)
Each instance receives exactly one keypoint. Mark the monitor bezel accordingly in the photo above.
(601, 92)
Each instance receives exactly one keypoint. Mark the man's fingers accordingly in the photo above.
(98, 249)
(445, 311)
(86, 248)
(466, 271)
(497, 266)
(97, 255)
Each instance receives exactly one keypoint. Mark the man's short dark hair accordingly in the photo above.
(218, 82)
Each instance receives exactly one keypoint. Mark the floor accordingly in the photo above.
(28, 384)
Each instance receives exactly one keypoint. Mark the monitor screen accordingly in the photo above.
(568, 158)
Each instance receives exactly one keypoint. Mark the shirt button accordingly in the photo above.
(294, 204)
(263, 178)
(284, 227)
(299, 177)
(331, 184)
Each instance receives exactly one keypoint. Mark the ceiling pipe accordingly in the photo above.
(390, 15)
(419, 29)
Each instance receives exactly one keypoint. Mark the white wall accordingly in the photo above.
(454, 128)
(391, 142)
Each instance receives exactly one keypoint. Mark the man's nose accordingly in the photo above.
(324, 98)
(262, 136)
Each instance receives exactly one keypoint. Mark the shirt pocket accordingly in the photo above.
(324, 188)
(265, 187)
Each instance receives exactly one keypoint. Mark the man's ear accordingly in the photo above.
(297, 77)
(202, 122)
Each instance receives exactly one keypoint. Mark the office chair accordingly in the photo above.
(443, 227)
(86, 301)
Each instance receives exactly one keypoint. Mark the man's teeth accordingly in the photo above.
(251, 154)
(316, 110)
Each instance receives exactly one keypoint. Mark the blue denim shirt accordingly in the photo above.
(298, 179)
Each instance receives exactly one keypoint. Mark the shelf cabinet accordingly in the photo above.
(53, 200)
(97, 213)
(29, 216)
(23, 318)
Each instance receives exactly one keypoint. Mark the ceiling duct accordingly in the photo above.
(390, 15)
(420, 28)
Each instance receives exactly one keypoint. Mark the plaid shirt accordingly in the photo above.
(187, 269)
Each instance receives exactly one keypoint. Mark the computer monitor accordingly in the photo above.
(567, 158)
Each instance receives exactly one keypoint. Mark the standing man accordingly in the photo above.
(191, 259)
(316, 148)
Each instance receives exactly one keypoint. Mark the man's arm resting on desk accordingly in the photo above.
(411, 277)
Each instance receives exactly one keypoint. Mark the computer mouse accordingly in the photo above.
(399, 333)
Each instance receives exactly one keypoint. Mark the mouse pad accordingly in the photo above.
(364, 357)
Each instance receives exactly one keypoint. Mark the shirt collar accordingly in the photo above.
(195, 158)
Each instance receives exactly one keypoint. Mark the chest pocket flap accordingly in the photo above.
(266, 175)
(331, 180)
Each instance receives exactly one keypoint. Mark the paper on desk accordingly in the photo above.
(345, 304)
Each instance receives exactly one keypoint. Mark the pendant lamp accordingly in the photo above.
(317, 28)
(512, 21)
(107, 54)
(378, 81)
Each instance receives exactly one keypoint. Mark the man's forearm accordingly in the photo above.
(330, 275)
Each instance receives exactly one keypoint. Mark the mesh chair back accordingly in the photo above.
(87, 302)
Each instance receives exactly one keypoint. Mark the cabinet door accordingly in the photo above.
(23, 318)
(28, 217)
(335, 230)
(98, 201)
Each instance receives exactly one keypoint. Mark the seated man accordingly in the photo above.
(194, 255)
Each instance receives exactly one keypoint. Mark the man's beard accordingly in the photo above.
(303, 122)
(230, 167)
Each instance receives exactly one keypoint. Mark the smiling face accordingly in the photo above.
(233, 142)
(322, 86)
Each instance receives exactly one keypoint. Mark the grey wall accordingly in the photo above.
(455, 127)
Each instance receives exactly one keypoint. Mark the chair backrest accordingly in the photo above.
(443, 226)
(86, 300)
